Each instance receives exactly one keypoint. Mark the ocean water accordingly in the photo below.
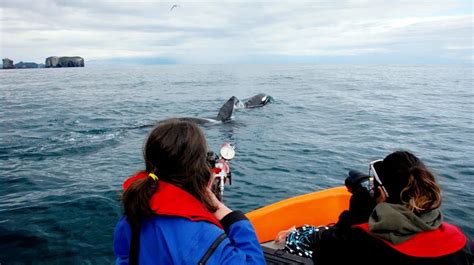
(69, 137)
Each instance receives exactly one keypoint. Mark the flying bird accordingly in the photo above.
(173, 7)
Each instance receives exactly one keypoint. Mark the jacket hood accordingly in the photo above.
(396, 224)
(171, 200)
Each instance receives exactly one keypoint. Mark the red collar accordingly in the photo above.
(171, 200)
(445, 240)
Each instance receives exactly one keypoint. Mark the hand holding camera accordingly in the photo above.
(221, 169)
(362, 201)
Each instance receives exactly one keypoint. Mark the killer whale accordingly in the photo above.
(225, 113)
(258, 100)
(226, 110)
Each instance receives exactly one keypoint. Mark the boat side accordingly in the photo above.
(316, 208)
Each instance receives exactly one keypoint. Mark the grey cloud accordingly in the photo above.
(227, 29)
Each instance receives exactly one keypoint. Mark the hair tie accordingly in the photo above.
(153, 176)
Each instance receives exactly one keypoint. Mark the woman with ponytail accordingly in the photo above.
(405, 225)
(170, 214)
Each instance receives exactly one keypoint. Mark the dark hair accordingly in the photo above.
(176, 152)
(409, 182)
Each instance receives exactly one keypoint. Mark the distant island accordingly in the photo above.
(54, 62)
(50, 62)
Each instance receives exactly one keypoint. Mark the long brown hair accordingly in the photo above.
(422, 193)
(410, 183)
(175, 151)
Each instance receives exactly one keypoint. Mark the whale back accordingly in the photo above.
(257, 101)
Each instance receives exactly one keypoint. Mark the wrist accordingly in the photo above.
(231, 218)
(221, 211)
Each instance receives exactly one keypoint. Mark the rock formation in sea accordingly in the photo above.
(55, 61)
(8, 64)
(22, 65)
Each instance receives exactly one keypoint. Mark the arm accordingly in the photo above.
(241, 245)
(326, 243)
(361, 206)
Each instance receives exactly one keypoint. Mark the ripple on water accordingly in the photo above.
(58, 226)
(65, 147)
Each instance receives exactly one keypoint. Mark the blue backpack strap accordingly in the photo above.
(212, 248)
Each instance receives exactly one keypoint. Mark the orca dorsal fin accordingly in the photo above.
(225, 112)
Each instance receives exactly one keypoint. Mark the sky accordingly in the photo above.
(205, 32)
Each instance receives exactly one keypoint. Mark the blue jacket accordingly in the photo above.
(183, 231)
(176, 240)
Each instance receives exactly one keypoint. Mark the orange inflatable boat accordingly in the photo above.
(317, 208)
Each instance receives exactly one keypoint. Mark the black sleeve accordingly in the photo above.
(328, 244)
(231, 218)
(361, 206)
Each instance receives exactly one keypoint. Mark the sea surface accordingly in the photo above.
(70, 136)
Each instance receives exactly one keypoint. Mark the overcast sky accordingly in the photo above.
(391, 31)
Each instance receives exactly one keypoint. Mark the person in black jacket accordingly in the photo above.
(396, 219)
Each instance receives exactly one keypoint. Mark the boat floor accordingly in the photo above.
(275, 255)
(272, 245)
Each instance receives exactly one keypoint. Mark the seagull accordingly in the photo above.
(173, 7)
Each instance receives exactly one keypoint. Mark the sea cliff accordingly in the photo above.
(55, 61)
